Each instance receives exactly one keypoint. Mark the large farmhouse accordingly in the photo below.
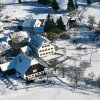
(42, 46)
(28, 68)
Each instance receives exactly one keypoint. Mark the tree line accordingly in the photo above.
(71, 5)
(52, 26)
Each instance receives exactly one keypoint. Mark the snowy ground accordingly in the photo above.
(52, 92)
(49, 93)
(94, 10)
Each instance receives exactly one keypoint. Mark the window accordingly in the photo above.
(51, 48)
(52, 52)
(40, 51)
(43, 53)
(45, 49)
(42, 46)
(33, 75)
(46, 46)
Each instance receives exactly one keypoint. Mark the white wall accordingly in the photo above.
(47, 50)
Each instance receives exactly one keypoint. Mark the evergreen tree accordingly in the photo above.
(54, 5)
(76, 5)
(60, 24)
(88, 2)
(71, 5)
(19, 1)
(50, 25)
(47, 24)
(53, 24)
(44, 1)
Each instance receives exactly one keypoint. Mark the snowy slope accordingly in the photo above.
(63, 3)
(94, 10)
(50, 93)
(8, 1)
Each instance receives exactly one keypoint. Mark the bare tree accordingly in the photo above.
(1, 7)
(61, 69)
(91, 21)
(54, 64)
(85, 50)
(84, 65)
(76, 74)
(91, 75)
(98, 82)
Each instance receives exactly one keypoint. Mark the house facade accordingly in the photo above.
(42, 46)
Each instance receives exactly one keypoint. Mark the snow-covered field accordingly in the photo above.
(94, 10)
(49, 93)
(52, 92)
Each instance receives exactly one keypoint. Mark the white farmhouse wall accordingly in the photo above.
(46, 50)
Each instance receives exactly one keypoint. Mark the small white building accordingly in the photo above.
(42, 46)
(30, 24)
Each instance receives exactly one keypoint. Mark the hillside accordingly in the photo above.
(82, 46)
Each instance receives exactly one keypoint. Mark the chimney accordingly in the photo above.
(20, 59)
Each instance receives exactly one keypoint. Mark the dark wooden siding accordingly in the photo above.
(8, 72)
(37, 67)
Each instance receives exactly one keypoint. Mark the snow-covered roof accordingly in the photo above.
(38, 41)
(29, 22)
(25, 49)
(6, 66)
(20, 23)
(4, 46)
(19, 34)
(21, 63)
(24, 62)
(39, 29)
